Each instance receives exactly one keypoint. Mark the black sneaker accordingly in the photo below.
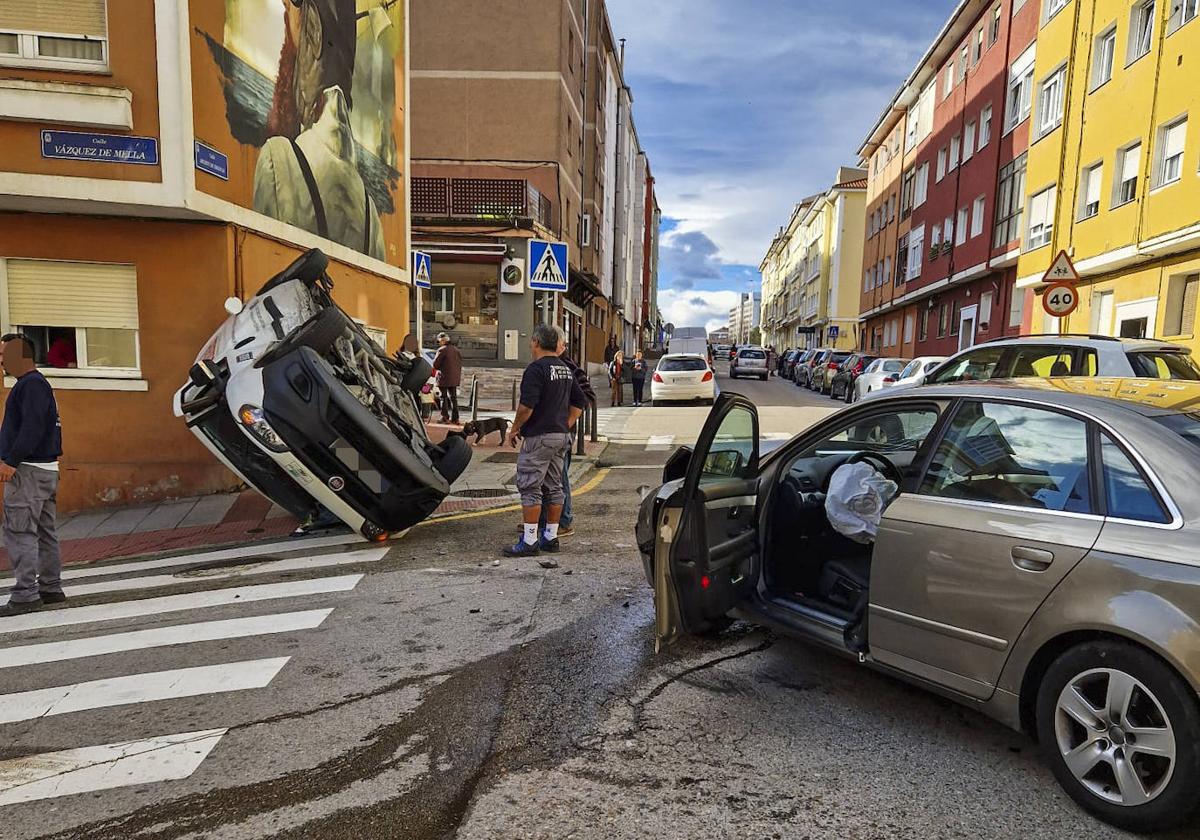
(53, 598)
(521, 549)
(550, 546)
(20, 608)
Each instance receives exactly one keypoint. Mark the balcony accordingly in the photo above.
(482, 199)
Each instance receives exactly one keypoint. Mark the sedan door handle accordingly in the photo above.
(1031, 559)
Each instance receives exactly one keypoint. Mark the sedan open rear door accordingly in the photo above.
(706, 554)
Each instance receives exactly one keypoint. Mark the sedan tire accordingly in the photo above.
(1121, 731)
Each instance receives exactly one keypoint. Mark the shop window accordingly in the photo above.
(54, 34)
(443, 298)
(81, 317)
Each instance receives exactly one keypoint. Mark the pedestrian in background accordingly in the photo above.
(610, 350)
(551, 402)
(637, 372)
(771, 360)
(616, 370)
(30, 446)
(448, 366)
(566, 521)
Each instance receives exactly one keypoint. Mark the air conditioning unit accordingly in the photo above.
(585, 230)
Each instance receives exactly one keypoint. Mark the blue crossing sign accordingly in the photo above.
(548, 270)
(422, 270)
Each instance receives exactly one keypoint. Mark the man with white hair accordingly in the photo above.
(447, 364)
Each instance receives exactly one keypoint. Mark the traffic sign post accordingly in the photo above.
(422, 270)
(1060, 300)
(548, 270)
(1062, 270)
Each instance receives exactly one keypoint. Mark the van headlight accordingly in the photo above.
(255, 421)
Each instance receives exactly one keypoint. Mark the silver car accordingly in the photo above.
(1034, 554)
(749, 361)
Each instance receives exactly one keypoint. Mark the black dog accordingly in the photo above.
(483, 428)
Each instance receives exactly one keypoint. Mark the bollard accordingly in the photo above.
(514, 395)
(595, 411)
(580, 448)
(474, 398)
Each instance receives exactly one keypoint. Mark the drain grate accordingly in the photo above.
(487, 493)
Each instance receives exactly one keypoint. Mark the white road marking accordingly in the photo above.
(292, 564)
(72, 573)
(139, 688)
(659, 442)
(181, 634)
(104, 767)
(177, 603)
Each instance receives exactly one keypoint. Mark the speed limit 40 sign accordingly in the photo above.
(1060, 300)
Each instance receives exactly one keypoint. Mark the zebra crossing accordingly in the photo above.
(131, 621)
(626, 426)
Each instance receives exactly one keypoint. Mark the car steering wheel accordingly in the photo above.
(890, 471)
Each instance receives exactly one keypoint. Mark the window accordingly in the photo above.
(1141, 29)
(1010, 202)
(890, 430)
(943, 314)
(1050, 102)
(921, 189)
(442, 297)
(923, 333)
(955, 151)
(1181, 305)
(1129, 162)
(968, 148)
(964, 218)
(734, 450)
(1163, 364)
(985, 126)
(1041, 219)
(1171, 141)
(941, 164)
(887, 270)
(891, 205)
(935, 241)
(977, 212)
(1013, 455)
(902, 260)
(907, 192)
(1182, 13)
(1089, 191)
(978, 46)
(44, 33)
(954, 319)
(1017, 6)
(1020, 89)
(948, 234)
(948, 82)
(1053, 7)
(994, 32)
(1105, 53)
(81, 316)
(1126, 492)
(964, 57)
(985, 311)
(1016, 309)
(916, 252)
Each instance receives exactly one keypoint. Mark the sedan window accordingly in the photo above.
(1015, 455)
(978, 364)
(676, 365)
(1040, 362)
(897, 430)
(752, 354)
(1128, 494)
(1164, 366)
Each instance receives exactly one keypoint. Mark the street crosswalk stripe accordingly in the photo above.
(292, 564)
(208, 631)
(139, 688)
(104, 767)
(659, 442)
(177, 603)
(73, 573)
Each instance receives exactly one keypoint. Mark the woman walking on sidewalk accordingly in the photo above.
(616, 370)
(637, 372)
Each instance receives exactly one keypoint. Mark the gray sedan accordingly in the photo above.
(1028, 549)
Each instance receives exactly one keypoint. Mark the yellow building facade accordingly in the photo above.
(1113, 165)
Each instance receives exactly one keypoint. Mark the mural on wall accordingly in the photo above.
(311, 84)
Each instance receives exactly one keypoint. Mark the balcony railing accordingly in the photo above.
(494, 199)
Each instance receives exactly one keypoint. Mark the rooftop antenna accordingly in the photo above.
(622, 53)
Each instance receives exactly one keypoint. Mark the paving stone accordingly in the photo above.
(166, 516)
(209, 510)
(122, 521)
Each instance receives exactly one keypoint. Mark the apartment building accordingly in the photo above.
(1112, 174)
(745, 318)
(946, 197)
(162, 156)
(520, 132)
(786, 260)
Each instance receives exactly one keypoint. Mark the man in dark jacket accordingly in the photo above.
(30, 445)
(447, 364)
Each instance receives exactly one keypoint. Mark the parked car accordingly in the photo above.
(879, 375)
(914, 373)
(821, 379)
(683, 377)
(799, 364)
(1035, 562)
(1056, 355)
(749, 361)
(787, 363)
(297, 400)
(809, 362)
(841, 386)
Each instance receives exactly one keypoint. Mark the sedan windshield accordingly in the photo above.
(674, 365)
(1164, 365)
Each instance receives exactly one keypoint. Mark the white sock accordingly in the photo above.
(551, 531)
(531, 537)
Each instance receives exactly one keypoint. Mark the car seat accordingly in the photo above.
(1060, 368)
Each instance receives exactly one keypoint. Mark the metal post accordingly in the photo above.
(474, 398)
(514, 395)
(579, 433)
(595, 411)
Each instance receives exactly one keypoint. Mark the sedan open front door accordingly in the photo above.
(706, 552)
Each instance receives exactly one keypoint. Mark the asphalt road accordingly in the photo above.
(444, 696)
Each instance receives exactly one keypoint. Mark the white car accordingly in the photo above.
(297, 400)
(877, 375)
(749, 361)
(916, 371)
(683, 376)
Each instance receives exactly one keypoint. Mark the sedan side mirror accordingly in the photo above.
(677, 465)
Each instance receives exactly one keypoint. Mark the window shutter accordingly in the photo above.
(1173, 140)
(1093, 186)
(1130, 163)
(71, 294)
(65, 17)
(1188, 316)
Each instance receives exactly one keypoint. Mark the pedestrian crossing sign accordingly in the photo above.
(422, 270)
(548, 266)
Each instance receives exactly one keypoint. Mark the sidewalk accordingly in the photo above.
(246, 517)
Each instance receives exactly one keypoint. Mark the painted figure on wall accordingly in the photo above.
(323, 114)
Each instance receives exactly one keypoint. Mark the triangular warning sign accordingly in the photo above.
(423, 271)
(547, 271)
(1062, 270)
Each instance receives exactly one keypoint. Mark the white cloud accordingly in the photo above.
(695, 309)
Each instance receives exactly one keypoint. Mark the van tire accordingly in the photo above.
(318, 333)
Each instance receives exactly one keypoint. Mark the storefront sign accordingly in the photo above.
(101, 148)
(211, 161)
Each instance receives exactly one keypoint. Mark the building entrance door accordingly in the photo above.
(966, 326)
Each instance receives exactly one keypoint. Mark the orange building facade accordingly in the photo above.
(162, 156)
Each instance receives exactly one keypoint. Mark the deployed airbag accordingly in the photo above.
(858, 495)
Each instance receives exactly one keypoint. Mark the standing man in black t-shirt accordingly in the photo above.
(551, 402)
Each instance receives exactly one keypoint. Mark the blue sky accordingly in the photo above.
(746, 106)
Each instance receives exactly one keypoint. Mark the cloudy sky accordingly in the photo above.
(746, 106)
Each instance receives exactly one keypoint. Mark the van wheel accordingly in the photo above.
(1121, 731)
(318, 332)
(456, 455)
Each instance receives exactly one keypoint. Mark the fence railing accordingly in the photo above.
(500, 199)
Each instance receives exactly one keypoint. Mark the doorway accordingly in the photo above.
(967, 318)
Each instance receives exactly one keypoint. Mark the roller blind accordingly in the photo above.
(1092, 189)
(71, 294)
(1131, 161)
(1174, 139)
(65, 17)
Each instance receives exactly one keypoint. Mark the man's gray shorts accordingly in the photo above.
(539, 469)
(30, 508)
